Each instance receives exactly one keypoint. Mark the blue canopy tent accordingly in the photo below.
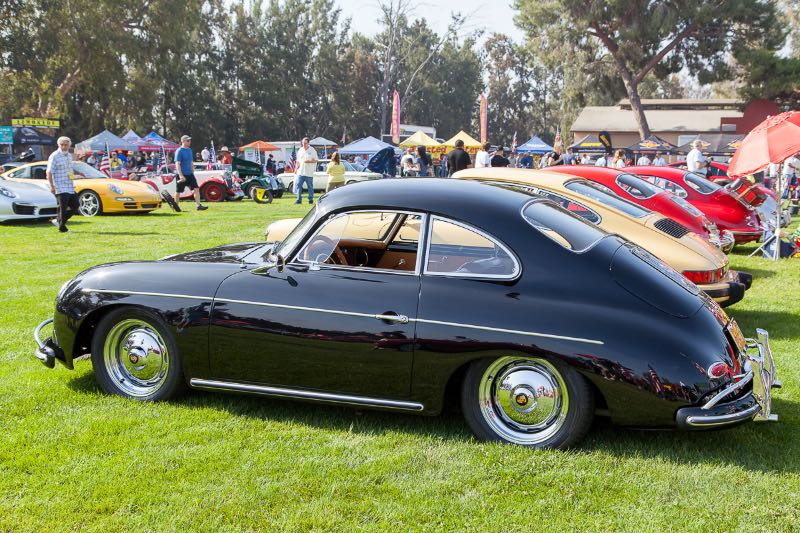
(534, 145)
(155, 139)
(99, 142)
(367, 146)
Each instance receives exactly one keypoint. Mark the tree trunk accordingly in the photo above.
(636, 105)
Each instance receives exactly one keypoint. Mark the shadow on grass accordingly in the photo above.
(136, 233)
(779, 324)
(759, 273)
(759, 447)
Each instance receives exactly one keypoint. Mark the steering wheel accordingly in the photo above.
(324, 246)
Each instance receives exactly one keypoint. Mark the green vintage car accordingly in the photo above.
(261, 187)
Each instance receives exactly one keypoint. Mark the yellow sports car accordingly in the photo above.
(670, 241)
(97, 193)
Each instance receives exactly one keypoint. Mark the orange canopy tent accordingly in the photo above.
(262, 146)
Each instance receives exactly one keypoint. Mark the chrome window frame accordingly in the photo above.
(535, 188)
(610, 192)
(391, 231)
(494, 277)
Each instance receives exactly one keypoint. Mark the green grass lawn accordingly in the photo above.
(73, 458)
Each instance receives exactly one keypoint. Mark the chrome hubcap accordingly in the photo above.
(88, 205)
(524, 400)
(136, 357)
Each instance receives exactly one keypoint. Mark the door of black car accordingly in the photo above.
(339, 318)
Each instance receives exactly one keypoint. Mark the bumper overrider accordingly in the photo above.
(755, 405)
(47, 351)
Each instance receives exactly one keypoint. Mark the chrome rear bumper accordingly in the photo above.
(756, 405)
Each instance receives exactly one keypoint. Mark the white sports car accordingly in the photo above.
(321, 177)
(23, 201)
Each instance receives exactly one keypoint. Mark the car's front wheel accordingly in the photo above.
(134, 355)
(89, 204)
(527, 401)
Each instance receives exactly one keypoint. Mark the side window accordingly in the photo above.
(24, 172)
(567, 203)
(458, 250)
(667, 185)
(39, 172)
(366, 239)
(322, 167)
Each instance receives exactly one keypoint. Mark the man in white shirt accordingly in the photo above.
(205, 154)
(658, 160)
(601, 161)
(585, 159)
(695, 160)
(407, 162)
(306, 166)
(59, 175)
(643, 161)
(790, 168)
(482, 158)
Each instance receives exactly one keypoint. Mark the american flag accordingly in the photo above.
(105, 163)
(212, 158)
(291, 165)
(162, 160)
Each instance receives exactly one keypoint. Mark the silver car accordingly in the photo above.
(23, 201)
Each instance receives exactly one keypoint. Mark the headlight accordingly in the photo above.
(116, 189)
(7, 193)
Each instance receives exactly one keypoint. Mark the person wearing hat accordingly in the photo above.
(225, 156)
(183, 166)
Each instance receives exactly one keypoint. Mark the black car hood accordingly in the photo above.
(244, 252)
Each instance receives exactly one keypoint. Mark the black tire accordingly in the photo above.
(562, 419)
(277, 194)
(290, 187)
(151, 371)
(253, 193)
(89, 203)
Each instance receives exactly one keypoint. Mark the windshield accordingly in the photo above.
(636, 186)
(601, 194)
(700, 183)
(349, 166)
(83, 170)
(296, 235)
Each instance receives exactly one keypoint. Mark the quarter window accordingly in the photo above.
(636, 186)
(700, 183)
(601, 194)
(572, 232)
(455, 249)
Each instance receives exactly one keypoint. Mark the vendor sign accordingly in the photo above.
(37, 122)
(6, 135)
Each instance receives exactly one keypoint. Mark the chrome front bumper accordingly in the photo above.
(755, 405)
(47, 350)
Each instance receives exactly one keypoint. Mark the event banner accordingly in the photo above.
(396, 117)
(37, 122)
(6, 135)
(483, 119)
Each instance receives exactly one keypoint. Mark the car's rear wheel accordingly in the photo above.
(134, 355)
(213, 192)
(260, 195)
(89, 204)
(290, 187)
(527, 401)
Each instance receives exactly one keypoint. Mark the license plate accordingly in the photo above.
(736, 335)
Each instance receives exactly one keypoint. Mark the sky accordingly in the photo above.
(490, 16)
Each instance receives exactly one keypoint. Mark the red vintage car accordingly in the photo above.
(639, 191)
(721, 206)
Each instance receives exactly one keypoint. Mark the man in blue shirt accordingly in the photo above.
(183, 166)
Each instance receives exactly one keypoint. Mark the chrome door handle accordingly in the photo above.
(401, 319)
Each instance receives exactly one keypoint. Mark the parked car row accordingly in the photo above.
(518, 296)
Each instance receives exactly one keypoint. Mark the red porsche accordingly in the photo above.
(639, 191)
(724, 208)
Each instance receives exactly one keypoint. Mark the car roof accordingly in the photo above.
(454, 198)
(664, 172)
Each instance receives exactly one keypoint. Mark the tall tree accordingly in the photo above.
(660, 36)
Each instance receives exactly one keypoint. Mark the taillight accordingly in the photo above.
(719, 370)
(705, 277)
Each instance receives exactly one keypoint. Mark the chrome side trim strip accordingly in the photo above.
(512, 331)
(730, 389)
(210, 384)
(398, 318)
(140, 293)
(722, 420)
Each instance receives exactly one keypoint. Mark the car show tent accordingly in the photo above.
(420, 138)
(366, 146)
(590, 144)
(534, 145)
(322, 142)
(261, 146)
(471, 145)
(715, 144)
(101, 141)
(651, 145)
(155, 142)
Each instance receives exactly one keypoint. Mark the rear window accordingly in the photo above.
(700, 183)
(568, 230)
(636, 186)
(601, 194)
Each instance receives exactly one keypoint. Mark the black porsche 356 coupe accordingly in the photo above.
(531, 318)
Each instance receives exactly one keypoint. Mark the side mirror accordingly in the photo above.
(281, 263)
